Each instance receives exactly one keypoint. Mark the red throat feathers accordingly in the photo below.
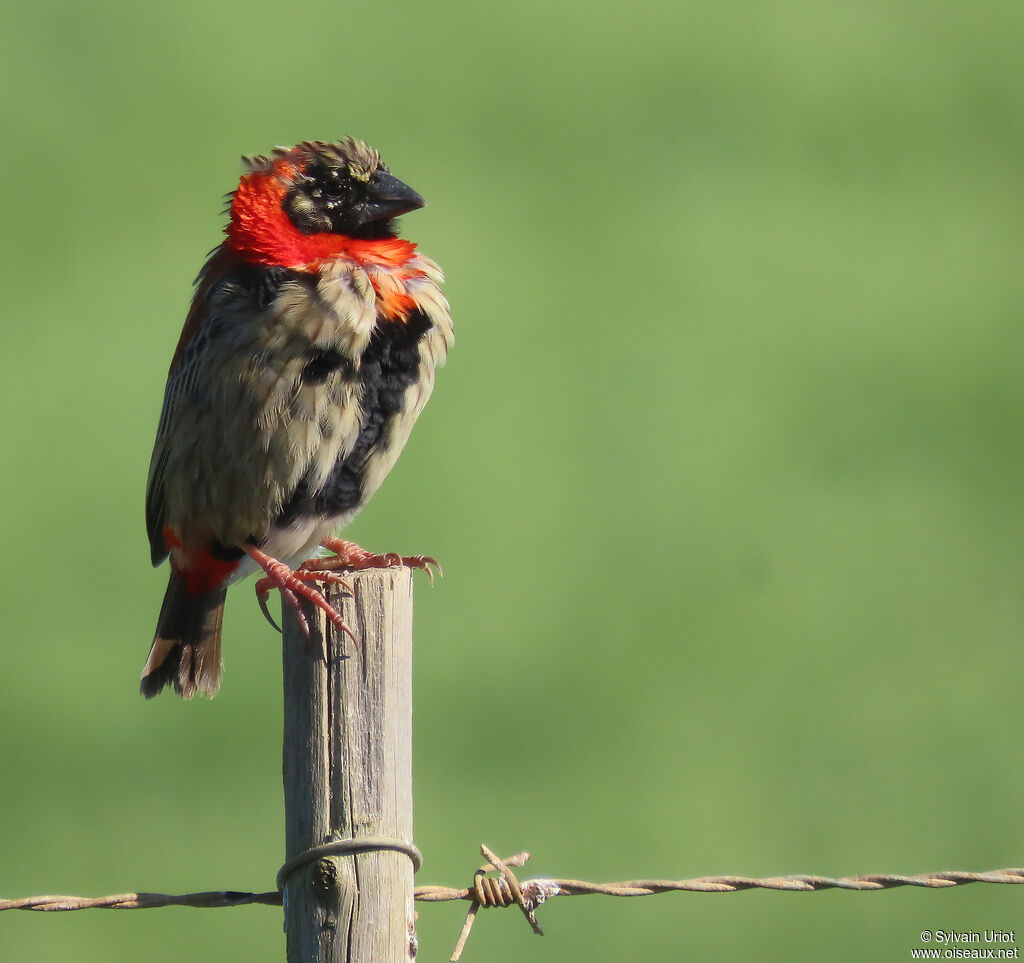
(262, 233)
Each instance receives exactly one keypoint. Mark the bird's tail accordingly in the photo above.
(186, 649)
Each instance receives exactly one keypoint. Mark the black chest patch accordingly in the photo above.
(389, 365)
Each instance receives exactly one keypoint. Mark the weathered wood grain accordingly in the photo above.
(348, 774)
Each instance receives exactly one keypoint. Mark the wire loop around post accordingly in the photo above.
(350, 847)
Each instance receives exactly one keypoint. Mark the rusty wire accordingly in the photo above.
(506, 890)
(215, 899)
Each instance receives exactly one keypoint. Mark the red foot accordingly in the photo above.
(348, 555)
(292, 584)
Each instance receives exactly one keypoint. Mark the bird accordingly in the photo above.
(307, 355)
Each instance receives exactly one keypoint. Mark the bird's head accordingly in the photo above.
(317, 201)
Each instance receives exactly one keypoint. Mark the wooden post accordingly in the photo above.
(348, 775)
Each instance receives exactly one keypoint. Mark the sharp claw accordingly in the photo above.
(344, 628)
(262, 598)
(424, 562)
(430, 573)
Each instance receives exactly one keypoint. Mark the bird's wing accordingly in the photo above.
(180, 380)
(260, 396)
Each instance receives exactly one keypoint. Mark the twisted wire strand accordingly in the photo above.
(549, 886)
(505, 889)
(210, 900)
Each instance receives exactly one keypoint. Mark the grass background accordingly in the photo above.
(725, 468)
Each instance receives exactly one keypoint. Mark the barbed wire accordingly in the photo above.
(506, 889)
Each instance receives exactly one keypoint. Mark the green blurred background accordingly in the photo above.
(724, 470)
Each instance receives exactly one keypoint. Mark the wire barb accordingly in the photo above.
(503, 891)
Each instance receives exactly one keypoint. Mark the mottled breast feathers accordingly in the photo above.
(291, 391)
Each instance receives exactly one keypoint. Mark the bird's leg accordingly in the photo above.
(292, 585)
(348, 555)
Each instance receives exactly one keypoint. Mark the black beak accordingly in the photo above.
(388, 197)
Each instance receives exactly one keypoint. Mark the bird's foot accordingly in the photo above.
(349, 556)
(292, 584)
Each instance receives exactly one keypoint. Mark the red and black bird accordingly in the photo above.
(306, 357)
